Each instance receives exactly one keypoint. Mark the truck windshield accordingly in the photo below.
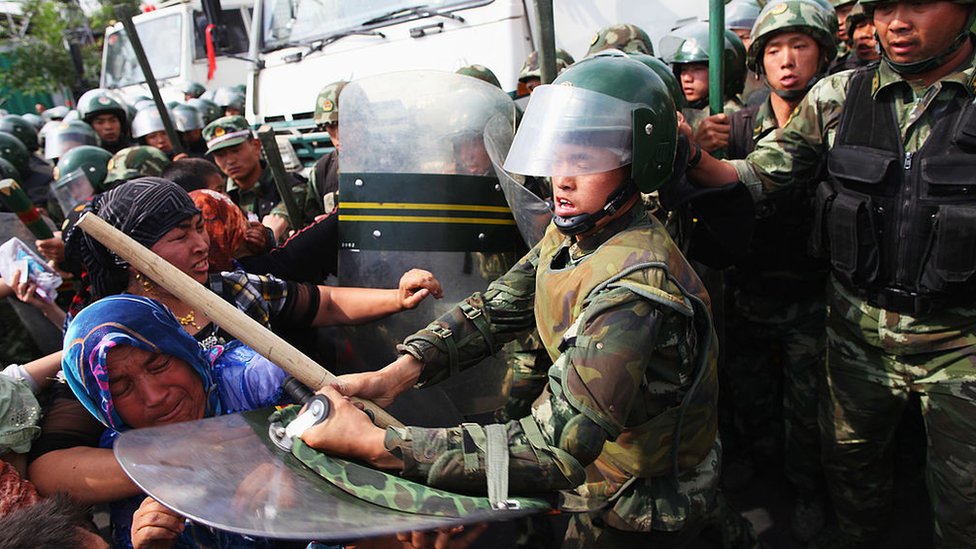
(157, 35)
(292, 22)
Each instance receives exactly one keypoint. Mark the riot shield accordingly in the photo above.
(417, 189)
(532, 212)
(225, 472)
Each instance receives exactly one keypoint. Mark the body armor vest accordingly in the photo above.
(646, 261)
(900, 228)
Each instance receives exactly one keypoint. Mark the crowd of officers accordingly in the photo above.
(829, 210)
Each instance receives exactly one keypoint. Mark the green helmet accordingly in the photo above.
(480, 72)
(531, 69)
(689, 44)
(21, 129)
(794, 16)
(207, 108)
(741, 14)
(13, 151)
(192, 89)
(99, 101)
(229, 97)
(327, 104)
(133, 162)
(8, 171)
(836, 4)
(624, 37)
(618, 104)
(66, 136)
(92, 161)
(662, 69)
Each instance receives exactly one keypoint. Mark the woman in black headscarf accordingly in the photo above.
(160, 215)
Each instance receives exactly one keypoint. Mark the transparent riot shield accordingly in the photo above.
(72, 189)
(524, 195)
(225, 472)
(417, 189)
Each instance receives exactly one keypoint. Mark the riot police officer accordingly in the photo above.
(895, 216)
(107, 117)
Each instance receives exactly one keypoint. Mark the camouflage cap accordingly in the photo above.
(227, 131)
(480, 72)
(624, 37)
(793, 16)
(327, 104)
(133, 162)
(530, 69)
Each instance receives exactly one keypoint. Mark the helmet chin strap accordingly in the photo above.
(925, 65)
(579, 224)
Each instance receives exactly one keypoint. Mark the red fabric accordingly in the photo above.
(211, 54)
(224, 222)
(15, 492)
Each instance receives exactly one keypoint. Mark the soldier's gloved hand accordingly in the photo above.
(415, 285)
(713, 132)
(155, 526)
(348, 432)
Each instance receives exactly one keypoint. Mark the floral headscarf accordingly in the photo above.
(224, 222)
(126, 320)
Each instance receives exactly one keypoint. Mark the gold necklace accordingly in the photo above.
(189, 319)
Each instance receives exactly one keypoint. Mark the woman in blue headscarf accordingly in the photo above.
(131, 364)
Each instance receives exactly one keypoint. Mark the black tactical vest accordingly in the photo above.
(900, 229)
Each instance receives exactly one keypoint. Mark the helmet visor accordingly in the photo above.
(569, 131)
(59, 142)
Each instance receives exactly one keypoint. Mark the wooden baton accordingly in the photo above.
(228, 317)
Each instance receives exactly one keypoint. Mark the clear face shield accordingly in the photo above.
(569, 131)
(56, 143)
(72, 189)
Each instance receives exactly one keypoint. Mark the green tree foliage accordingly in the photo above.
(40, 61)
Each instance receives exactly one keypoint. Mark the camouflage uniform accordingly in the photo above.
(603, 431)
(624, 37)
(876, 357)
(261, 199)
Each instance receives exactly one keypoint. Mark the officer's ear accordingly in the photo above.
(256, 145)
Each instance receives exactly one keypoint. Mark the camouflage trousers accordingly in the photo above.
(876, 360)
(773, 376)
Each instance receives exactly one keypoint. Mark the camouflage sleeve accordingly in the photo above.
(299, 188)
(478, 326)
(603, 371)
(797, 152)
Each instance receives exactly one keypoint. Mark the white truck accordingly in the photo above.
(174, 36)
(302, 45)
